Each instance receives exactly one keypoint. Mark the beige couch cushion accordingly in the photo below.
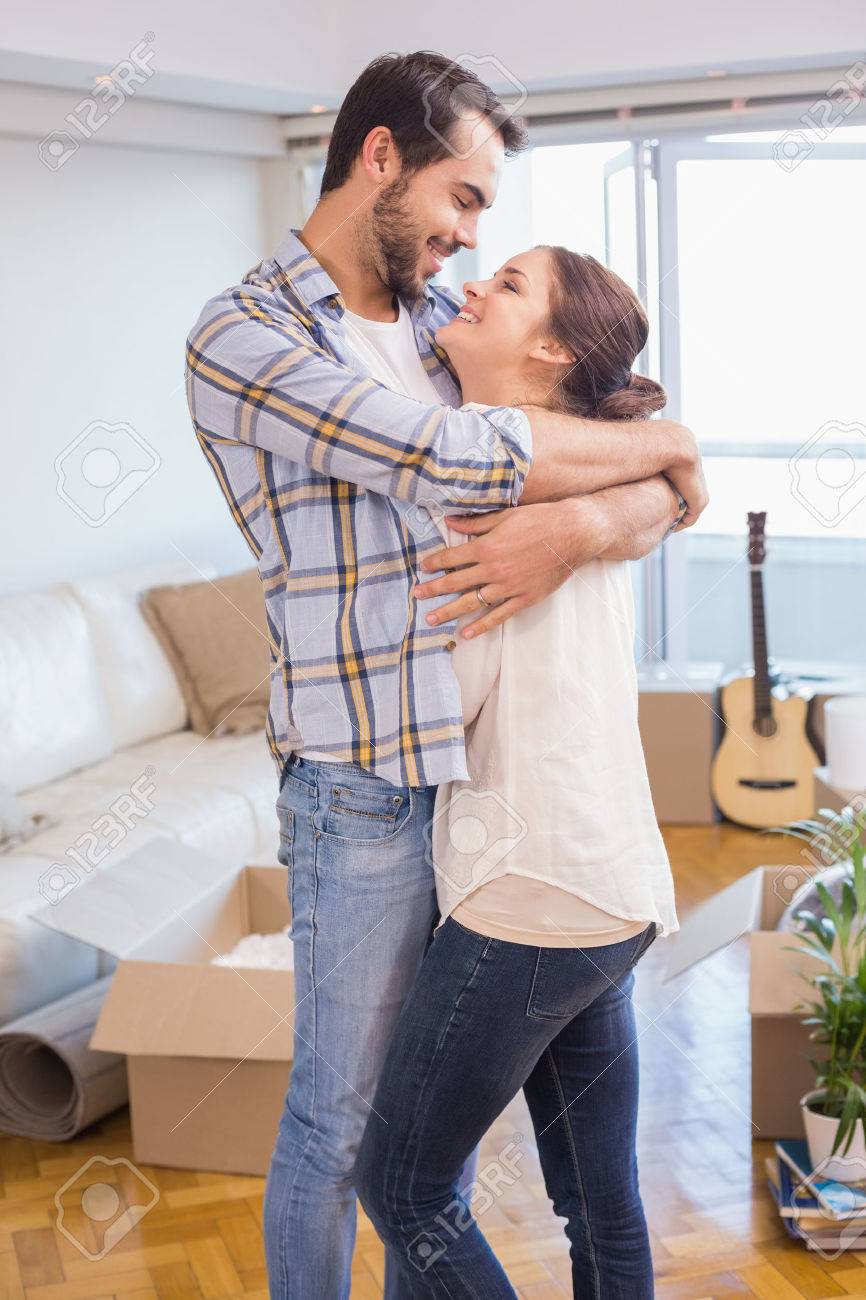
(214, 634)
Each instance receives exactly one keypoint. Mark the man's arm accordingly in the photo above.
(257, 375)
(520, 556)
(572, 456)
(638, 516)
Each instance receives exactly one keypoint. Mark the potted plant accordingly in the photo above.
(834, 932)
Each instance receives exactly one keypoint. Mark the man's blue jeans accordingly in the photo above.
(484, 1019)
(363, 909)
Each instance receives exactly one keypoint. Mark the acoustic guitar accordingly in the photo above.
(763, 770)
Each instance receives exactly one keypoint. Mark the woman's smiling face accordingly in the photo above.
(503, 319)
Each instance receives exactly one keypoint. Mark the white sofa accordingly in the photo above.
(93, 728)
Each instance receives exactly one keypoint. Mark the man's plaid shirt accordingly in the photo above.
(334, 481)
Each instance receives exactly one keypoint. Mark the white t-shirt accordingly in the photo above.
(389, 351)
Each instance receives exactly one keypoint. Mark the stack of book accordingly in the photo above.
(828, 1216)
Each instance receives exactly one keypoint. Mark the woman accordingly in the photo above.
(551, 873)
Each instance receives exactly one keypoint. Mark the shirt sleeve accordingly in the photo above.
(258, 376)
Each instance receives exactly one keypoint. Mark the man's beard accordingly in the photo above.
(397, 241)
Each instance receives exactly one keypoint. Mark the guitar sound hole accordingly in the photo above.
(765, 726)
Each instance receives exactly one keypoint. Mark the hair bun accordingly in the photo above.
(637, 399)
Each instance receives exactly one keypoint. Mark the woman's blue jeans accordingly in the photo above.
(484, 1019)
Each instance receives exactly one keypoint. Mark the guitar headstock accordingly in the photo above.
(757, 521)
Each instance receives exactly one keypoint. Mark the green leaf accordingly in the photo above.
(849, 903)
(835, 1016)
(829, 905)
(851, 1112)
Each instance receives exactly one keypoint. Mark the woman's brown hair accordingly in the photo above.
(601, 321)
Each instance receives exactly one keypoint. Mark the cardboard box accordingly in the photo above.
(680, 729)
(828, 688)
(753, 905)
(208, 1047)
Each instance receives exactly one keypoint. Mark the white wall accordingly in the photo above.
(105, 266)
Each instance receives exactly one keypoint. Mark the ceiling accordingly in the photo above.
(277, 57)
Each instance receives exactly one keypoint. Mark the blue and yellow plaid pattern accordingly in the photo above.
(334, 481)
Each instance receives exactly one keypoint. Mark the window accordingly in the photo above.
(765, 324)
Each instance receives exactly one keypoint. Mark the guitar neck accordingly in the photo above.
(759, 646)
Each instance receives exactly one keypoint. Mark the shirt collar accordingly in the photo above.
(313, 284)
(309, 278)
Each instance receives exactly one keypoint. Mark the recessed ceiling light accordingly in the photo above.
(318, 108)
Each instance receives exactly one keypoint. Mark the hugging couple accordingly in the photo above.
(474, 865)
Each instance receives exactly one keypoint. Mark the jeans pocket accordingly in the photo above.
(567, 980)
(358, 812)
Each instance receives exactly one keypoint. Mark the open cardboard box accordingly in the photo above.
(781, 1049)
(208, 1047)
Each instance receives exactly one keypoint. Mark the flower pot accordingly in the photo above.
(849, 1167)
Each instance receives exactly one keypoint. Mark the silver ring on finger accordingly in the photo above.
(488, 604)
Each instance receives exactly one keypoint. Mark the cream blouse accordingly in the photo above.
(553, 841)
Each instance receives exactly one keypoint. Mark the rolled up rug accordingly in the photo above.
(51, 1084)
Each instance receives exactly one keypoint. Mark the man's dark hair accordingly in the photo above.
(418, 97)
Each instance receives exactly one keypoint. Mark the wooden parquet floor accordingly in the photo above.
(203, 1237)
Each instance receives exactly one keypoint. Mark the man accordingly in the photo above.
(331, 476)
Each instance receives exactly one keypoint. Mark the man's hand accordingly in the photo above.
(686, 472)
(518, 556)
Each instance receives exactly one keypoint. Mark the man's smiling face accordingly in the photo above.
(419, 220)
